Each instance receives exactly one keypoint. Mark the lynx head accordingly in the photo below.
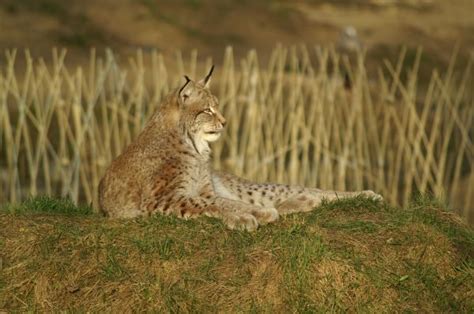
(199, 113)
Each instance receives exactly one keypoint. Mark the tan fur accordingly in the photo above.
(166, 170)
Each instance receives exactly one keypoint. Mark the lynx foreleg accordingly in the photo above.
(235, 214)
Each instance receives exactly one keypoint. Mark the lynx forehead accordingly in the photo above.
(166, 170)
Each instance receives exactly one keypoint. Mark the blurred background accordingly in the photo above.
(210, 25)
(342, 94)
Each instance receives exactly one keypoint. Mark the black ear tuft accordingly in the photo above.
(208, 76)
(187, 81)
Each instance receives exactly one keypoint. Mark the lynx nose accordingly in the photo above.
(221, 119)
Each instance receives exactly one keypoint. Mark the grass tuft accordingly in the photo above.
(47, 204)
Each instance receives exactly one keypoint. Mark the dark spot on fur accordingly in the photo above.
(264, 193)
(184, 152)
(183, 204)
(249, 193)
(252, 201)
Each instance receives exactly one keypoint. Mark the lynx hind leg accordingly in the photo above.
(307, 202)
(372, 194)
(334, 195)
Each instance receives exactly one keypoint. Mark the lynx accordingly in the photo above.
(166, 170)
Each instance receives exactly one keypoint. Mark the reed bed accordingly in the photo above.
(290, 119)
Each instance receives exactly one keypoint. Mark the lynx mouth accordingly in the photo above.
(214, 132)
(212, 136)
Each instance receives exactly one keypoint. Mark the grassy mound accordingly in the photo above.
(350, 255)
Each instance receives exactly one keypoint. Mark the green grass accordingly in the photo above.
(50, 205)
(112, 268)
(166, 248)
(356, 255)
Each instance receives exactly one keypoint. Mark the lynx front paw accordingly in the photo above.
(372, 195)
(241, 221)
(266, 215)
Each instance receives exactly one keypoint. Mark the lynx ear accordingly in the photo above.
(207, 80)
(185, 91)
